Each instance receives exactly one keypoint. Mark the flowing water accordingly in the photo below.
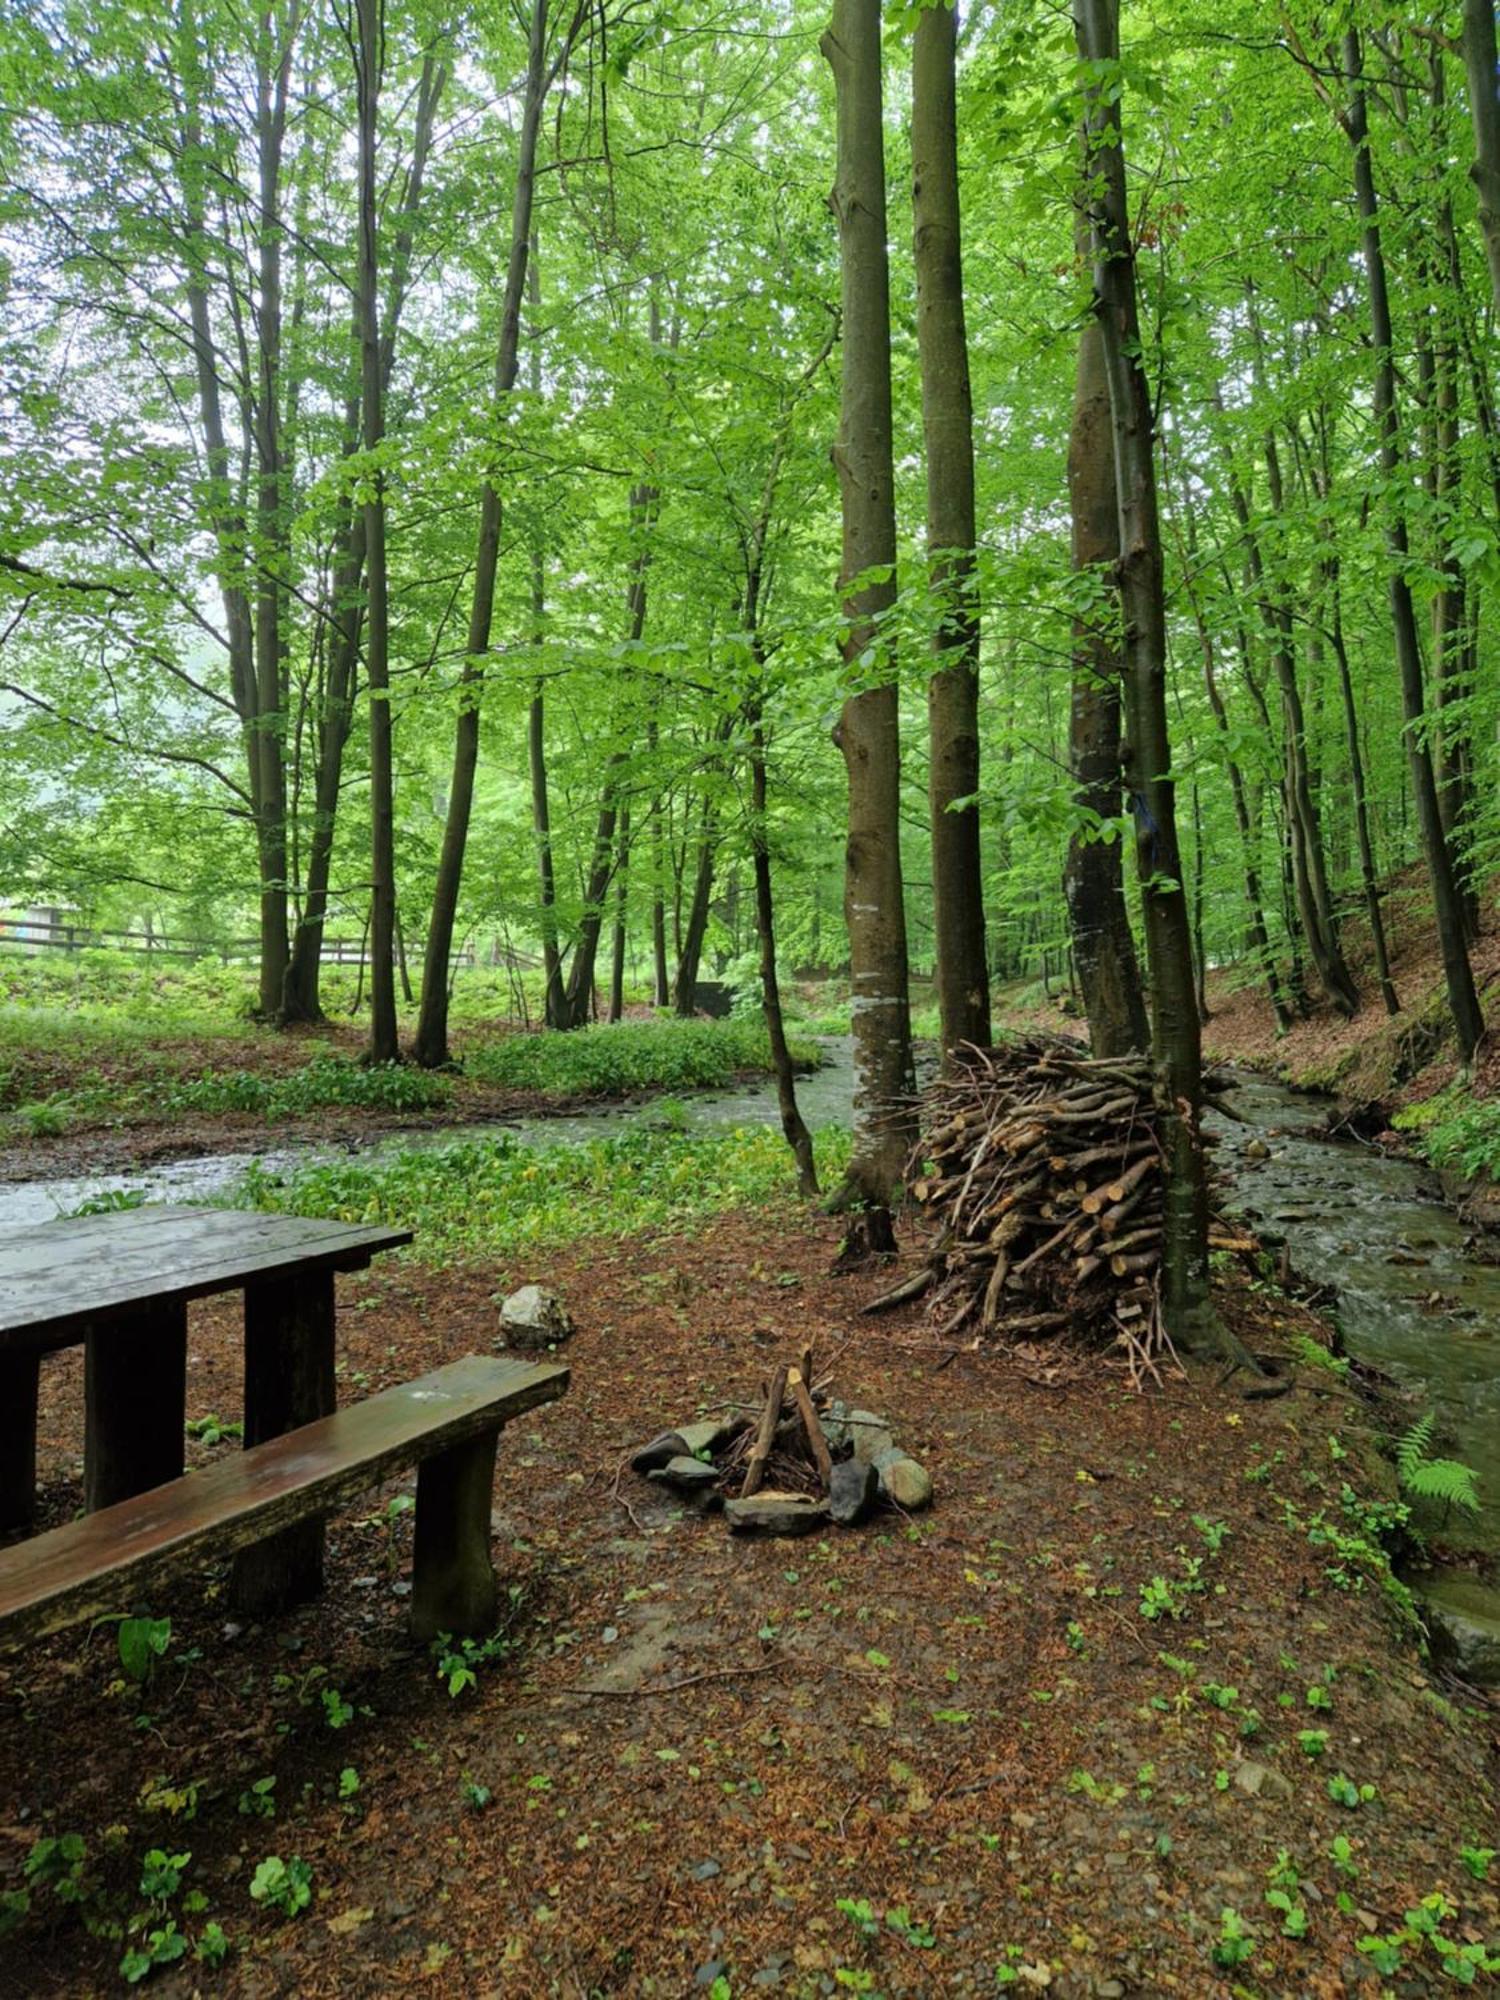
(1413, 1298)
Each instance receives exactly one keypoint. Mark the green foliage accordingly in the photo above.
(282, 1885)
(497, 1197)
(1445, 1482)
(611, 1061)
(326, 1083)
(142, 1642)
(1456, 1131)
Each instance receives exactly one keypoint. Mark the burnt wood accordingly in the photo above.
(108, 1561)
(61, 1278)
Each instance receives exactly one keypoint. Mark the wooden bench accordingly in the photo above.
(447, 1423)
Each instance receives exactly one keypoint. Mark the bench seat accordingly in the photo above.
(447, 1423)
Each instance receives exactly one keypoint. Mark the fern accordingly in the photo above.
(1446, 1481)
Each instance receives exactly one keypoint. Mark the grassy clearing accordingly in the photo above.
(497, 1197)
(633, 1055)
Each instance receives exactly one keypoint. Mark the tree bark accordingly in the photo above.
(1186, 1308)
(868, 732)
(1484, 109)
(1093, 881)
(431, 1044)
(963, 990)
(384, 1045)
(345, 613)
(1463, 1000)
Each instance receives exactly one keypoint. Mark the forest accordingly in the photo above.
(818, 682)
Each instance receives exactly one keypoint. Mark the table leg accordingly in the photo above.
(288, 1382)
(18, 1383)
(135, 1403)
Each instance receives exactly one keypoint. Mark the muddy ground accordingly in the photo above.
(694, 1749)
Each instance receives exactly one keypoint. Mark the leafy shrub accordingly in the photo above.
(631, 1055)
(325, 1081)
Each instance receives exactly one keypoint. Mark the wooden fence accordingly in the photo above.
(56, 934)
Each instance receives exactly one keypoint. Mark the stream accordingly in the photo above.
(1413, 1298)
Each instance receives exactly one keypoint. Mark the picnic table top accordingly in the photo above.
(58, 1277)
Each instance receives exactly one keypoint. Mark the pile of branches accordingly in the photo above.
(1044, 1178)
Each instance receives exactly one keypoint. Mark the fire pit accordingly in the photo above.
(803, 1459)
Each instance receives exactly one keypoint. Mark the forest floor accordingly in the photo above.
(951, 1753)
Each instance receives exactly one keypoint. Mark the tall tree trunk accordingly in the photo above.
(1484, 110)
(536, 724)
(963, 988)
(684, 988)
(301, 999)
(1093, 881)
(578, 995)
(384, 1045)
(225, 510)
(1309, 871)
(869, 727)
(1186, 1308)
(1463, 999)
(793, 1126)
(273, 78)
(1245, 821)
(622, 909)
(431, 1043)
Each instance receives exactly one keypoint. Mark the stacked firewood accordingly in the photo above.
(1043, 1175)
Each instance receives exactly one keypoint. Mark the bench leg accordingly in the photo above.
(288, 1382)
(453, 1579)
(18, 1383)
(135, 1403)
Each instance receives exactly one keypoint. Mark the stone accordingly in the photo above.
(1257, 1150)
(661, 1450)
(711, 1436)
(1260, 1781)
(688, 1475)
(903, 1482)
(853, 1491)
(534, 1317)
(776, 1514)
(1463, 1618)
(870, 1435)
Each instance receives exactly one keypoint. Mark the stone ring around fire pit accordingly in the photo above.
(807, 1459)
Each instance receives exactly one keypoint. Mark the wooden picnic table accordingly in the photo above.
(119, 1283)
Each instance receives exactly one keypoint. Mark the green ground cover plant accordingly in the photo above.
(496, 1197)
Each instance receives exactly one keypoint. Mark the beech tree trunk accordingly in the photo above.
(1177, 1055)
(963, 988)
(301, 998)
(578, 996)
(793, 1126)
(431, 1044)
(868, 731)
(384, 1045)
(1484, 109)
(1093, 881)
(1463, 999)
